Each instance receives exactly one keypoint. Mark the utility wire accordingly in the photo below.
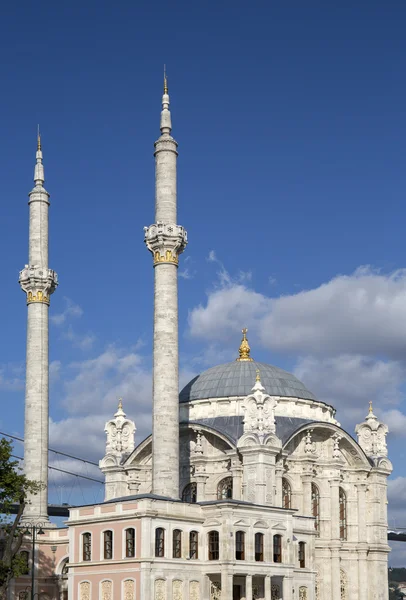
(14, 437)
(63, 471)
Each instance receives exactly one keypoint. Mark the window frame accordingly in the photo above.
(127, 542)
(277, 548)
(213, 545)
(240, 545)
(177, 543)
(315, 505)
(301, 555)
(159, 542)
(108, 544)
(193, 543)
(259, 547)
(221, 486)
(286, 484)
(86, 546)
(342, 499)
(190, 491)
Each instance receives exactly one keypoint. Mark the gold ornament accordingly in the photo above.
(244, 350)
(39, 297)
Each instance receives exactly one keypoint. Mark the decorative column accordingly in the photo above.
(166, 241)
(307, 493)
(267, 587)
(362, 542)
(248, 587)
(38, 282)
(287, 585)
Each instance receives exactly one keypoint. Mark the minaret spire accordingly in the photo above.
(38, 282)
(165, 240)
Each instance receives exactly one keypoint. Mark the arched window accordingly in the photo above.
(343, 514)
(177, 543)
(193, 545)
(160, 542)
(316, 507)
(259, 547)
(286, 494)
(25, 559)
(87, 546)
(302, 555)
(225, 489)
(108, 544)
(130, 542)
(214, 546)
(240, 545)
(277, 548)
(189, 493)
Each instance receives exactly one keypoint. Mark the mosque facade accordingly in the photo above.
(248, 487)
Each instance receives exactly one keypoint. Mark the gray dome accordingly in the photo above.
(237, 378)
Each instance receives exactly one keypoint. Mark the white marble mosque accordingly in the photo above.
(248, 488)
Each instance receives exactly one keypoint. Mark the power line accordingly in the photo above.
(63, 471)
(14, 437)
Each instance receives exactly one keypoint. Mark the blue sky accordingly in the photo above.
(290, 121)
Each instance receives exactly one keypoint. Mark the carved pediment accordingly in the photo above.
(211, 523)
(279, 527)
(242, 523)
(261, 525)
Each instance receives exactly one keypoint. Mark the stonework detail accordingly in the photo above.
(343, 585)
(177, 589)
(106, 590)
(120, 433)
(194, 590)
(275, 592)
(38, 283)
(129, 589)
(160, 589)
(372, 435)
(165, 241)
(259, 411)
(215, 590)
(303, 593)
(84, 590)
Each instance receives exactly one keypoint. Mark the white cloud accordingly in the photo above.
(71, 310)
(362, 313)
(83, 341)
(349, 382)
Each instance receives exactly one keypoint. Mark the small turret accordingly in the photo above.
(372, 435)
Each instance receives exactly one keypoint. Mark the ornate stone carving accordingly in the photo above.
(165, 241)
(343, 585)
(194, 590)
(198, 447)
(129, 589)
(215, 590)
(309, 445)
(84, 590)
(336, 446)
(303, 593)
(372, 435)
(38, 283)
(317, 593)
(160, 589)
(120, 433)
(275, 592)
(177, 589)
(259, 411)
(106, 590)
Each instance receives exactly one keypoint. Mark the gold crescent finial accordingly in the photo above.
(370, 407)
(38, 139)
(244, 350)
(120, 404)
(258, 377)
(165, 81)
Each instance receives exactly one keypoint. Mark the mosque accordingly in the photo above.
(247, 489)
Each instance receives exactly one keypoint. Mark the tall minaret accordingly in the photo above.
(38, 282)
(166, 241)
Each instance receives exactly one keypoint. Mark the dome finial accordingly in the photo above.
(258, 376)
(244, 350)
(370, 407)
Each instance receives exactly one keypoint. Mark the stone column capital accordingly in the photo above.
(38, 283)
(165, 241)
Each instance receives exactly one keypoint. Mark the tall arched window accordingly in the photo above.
(189, 493)
(225, 489)
(160, 542)
(108, 544)
(240, 545)
(193, 545)
(343, 514)
(214, 546)
(87, 546)
(25, 559)
(286, 494)
(130, 542)
(316, 507)
(302, 555)
(277, 548)
(259, 547)
(177, 543)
